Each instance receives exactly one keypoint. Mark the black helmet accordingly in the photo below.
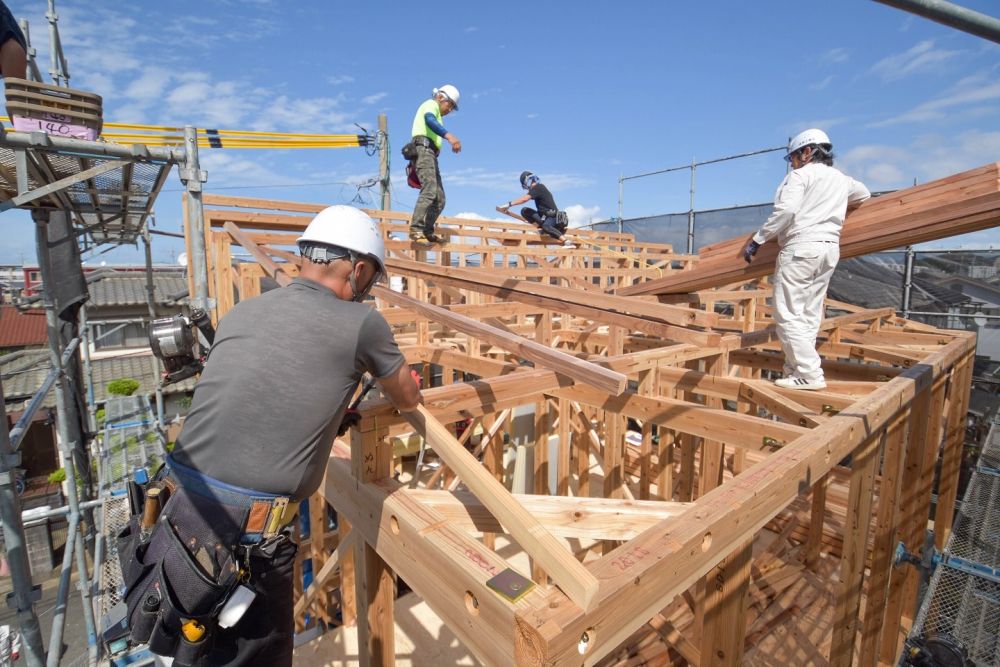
(528, 179)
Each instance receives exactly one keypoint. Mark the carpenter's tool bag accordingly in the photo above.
(562, 221)
(411, 175)
(410, 151)
(190, 564)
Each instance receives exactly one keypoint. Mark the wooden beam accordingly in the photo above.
(957, 204)
(578, 369)
(573, 578)
(588, 518)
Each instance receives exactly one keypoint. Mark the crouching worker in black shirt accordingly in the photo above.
(546, 216)
(211, 584)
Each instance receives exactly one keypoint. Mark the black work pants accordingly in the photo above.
(546, 223)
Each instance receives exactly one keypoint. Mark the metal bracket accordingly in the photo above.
(34, 596)
(829, 409)
(771, 442)
(197, 175)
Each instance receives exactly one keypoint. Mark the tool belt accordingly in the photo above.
(426, 143)
(180, 575)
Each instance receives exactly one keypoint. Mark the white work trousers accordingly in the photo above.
(803, 273)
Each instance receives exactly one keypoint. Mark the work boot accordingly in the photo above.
(417, 236)
(568, 243)
(434, 237)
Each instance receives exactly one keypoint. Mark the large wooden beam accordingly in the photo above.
(578, 369)
(576, 582)
(958, 204)
(589, 518)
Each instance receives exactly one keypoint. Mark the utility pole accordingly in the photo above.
(384, 180)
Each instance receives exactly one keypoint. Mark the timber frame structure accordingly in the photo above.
(645, 547)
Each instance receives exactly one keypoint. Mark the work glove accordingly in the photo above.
(417, 378)
(504, 207)
(750, 251)
(351, 419)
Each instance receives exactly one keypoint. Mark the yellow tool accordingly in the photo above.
(193, 630)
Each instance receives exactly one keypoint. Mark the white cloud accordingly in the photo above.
(531, 115)
(339, 79)
(837, 55)
(471, 28)
(820, 85)
(972, 90)
(372, 99)
(923, 57)
(928, 157)
(580, 215)
(471, 215)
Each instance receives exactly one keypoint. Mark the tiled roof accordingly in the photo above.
(19, 329)
(129, 289)
(23, 373)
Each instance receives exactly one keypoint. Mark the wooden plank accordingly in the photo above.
(879, 224)
(577, 305)
(580, 517)
(561, 362)
(721, 425)
(575, 581)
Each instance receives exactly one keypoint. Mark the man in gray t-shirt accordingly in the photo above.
(281, 373)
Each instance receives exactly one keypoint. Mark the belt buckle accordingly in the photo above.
(274, 519)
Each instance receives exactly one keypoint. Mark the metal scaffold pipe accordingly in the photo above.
(23, 597)
(192, 177)
(950, 14)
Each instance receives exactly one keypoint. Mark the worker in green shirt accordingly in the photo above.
(428, 133)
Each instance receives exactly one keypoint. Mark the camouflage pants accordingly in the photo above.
(430, 202)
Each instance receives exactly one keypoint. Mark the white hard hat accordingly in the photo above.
(348, 228)
(809, 137)
(449, 91)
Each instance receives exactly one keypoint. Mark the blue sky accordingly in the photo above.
(577, 92)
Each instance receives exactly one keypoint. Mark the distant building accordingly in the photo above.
(20, 330)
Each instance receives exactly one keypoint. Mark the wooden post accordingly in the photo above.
(852, 562)
(724, 607)
(348, 599)
(371, 460)
(814, 537)
(954, 439)
(887, 522)
(318, 552)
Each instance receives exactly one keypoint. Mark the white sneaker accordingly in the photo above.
(794, 382)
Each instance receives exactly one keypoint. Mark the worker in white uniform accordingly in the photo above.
(809, 210)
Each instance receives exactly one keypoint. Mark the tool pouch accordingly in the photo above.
(411, 176)
(562, 221)
(188, 564)
(410, 151)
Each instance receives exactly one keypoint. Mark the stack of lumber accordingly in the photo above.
(959, 204)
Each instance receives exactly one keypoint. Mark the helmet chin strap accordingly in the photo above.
(357, 295)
